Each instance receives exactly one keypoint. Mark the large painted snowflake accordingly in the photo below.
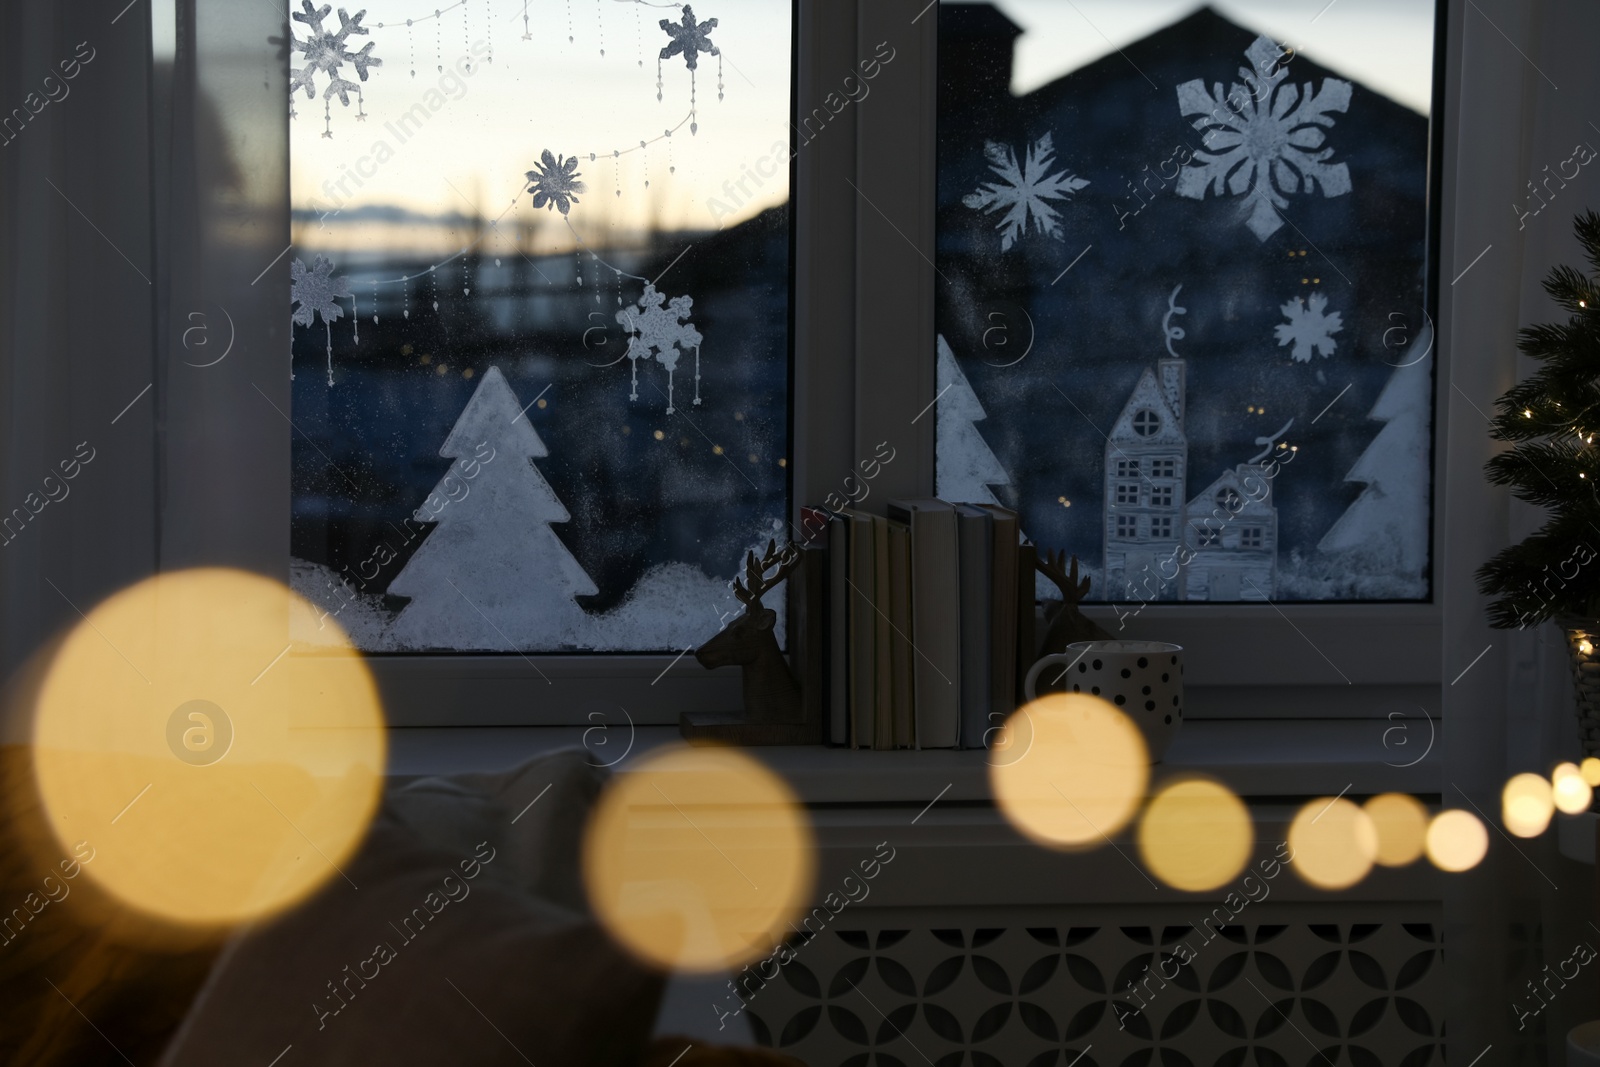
(554, 182)
(1308, 327)
(313, 292)
(1022, 191)
(689, 38)
(661, 333)
(326, 52)
(1265, 139)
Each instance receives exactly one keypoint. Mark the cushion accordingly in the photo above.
(464, 940)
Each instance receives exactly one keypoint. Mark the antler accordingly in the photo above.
(1050, 563)
(756, 580)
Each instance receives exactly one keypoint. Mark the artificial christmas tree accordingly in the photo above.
(1551, 418)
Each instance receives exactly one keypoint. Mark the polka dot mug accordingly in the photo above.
(1143, 678)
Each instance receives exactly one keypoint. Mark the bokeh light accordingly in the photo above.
(1571, 793)
(1195, 835)
(1590, 769)
(217, 774)
(1334, 843)
(1526, 805)
(1457, 840)
(698, 858)
(1080, 779)
(1402, 825)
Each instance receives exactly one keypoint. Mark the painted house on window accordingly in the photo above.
(1147, 458)
(1231, 536)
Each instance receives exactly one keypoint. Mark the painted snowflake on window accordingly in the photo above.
(1264, 138)
(554, 182)
(1308, 327)
(1022, 192)
(662, 333)
(313, 292)
(325, 53)
(689, 38)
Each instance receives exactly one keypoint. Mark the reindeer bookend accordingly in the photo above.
(774, 713)
(1066, 624)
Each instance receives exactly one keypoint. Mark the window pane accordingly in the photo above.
(540, 327)
(1192, 246)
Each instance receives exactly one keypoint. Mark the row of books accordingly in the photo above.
(913, 629)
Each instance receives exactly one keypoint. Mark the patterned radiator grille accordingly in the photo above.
(1366, 994)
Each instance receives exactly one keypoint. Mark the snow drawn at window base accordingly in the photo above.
(1295, 223)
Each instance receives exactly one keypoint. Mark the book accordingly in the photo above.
(809, 625)
(1027, 607)
(839, 732)
(900, 651)
(1003, 636)
(861, 584)
(882, 669)
(975, 547)
(935, 619)
(809, 622)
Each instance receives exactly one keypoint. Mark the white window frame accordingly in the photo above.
(1385, 656)
(863, 373)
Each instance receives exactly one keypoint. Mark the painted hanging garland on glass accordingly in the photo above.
(689, 38)
(326, 53)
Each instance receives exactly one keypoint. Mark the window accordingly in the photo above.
(541, 371)
(1163, 468)
(1250, 537)
(1210, 218)
(1161, 496)
(1127, 492)
(1160, 528)
(1127, 468)
(1127, 526)
(1206, 536)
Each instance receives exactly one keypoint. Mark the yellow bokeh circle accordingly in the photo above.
(1334, 843)
(1590, 769)
(1401, 823)
(698, 858)
(1457, 840)
(1526, 804)
(1195, 835)
(1081, 777)
(217, 773)
(1571, 793)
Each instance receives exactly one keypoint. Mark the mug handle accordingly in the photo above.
(1040, 665)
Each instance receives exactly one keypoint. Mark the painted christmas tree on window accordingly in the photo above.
(965, 464)
(1385, 524)
(492, 575)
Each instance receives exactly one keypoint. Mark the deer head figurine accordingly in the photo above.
(771, 694)
(1067, 624)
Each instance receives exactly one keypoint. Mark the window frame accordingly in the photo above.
(603, 690)
(1361, 646)
(862, 372)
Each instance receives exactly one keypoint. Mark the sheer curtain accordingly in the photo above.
(143, 347)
